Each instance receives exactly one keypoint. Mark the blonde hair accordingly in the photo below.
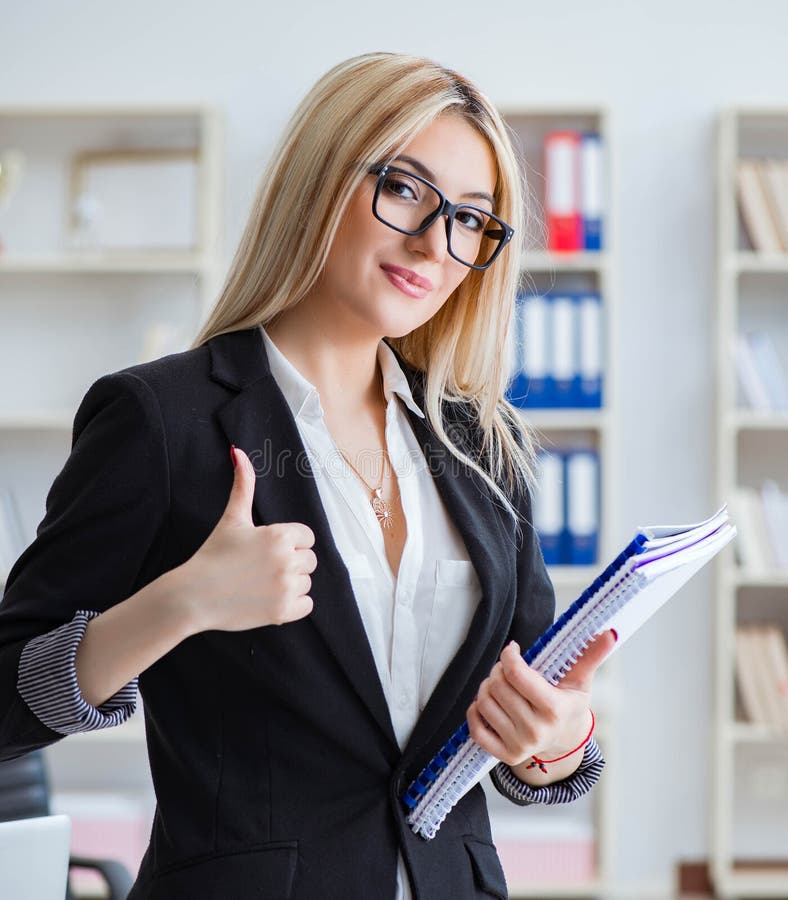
(367, 109)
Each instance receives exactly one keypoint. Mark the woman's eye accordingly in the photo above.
(400, 188)
(471, 219)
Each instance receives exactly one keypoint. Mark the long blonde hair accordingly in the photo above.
(368, 108)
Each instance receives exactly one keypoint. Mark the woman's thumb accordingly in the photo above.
(582, 672)
(239, 505)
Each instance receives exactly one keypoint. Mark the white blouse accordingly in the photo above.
(417, 618)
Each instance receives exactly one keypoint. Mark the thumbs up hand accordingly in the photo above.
(246, 575)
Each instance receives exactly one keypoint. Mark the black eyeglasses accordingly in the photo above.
(409, 204)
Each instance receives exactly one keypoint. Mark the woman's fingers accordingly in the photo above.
(581, 675)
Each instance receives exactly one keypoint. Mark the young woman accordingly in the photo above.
(307, 538)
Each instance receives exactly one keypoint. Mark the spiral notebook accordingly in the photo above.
(647, 573)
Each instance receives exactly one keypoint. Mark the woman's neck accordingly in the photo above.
(344, 371)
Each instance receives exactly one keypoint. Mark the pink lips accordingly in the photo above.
(407, 281)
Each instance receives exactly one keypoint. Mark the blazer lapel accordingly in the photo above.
(259, 421)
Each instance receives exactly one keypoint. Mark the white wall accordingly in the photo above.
(665, 70)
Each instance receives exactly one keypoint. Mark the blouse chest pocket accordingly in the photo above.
(455, 598)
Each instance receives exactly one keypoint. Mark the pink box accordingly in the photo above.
(547, 860)
(105, 826)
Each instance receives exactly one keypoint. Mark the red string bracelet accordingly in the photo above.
(543, 762)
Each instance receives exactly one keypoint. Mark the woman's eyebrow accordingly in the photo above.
(423, 170)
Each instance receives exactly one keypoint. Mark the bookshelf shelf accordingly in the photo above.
(749, 592)
(543, 261)
(594, 889)
(575, 578)
(64, 263)
(755, 883)
(750, 733)
(567, 419)
(37, 420)
(740, 578)
(750, 261)
(748, 420)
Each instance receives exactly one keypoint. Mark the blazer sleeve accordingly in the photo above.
(104, 524)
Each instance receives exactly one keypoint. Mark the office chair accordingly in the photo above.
(24, 793)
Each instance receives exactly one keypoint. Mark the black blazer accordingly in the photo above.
(274, 761)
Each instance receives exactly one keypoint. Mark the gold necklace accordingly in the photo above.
(380, 507)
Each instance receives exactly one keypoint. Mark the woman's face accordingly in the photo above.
(382, 282)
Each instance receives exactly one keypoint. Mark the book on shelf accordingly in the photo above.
(762, 674)
(761, 373)
(557, 351)
(774, 179)
(762, 514)
(566, 506)
(753, 549)
(642, 578)
(592, 189)
(756, 204)
(775, 508)
(574, 190)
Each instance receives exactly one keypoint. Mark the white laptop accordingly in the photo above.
(34, 858)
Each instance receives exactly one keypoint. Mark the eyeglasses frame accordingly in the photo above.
(447, 209)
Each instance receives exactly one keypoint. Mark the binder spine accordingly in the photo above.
(592, 203)
(562, 191)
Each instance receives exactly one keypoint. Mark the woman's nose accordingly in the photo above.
(433, 242)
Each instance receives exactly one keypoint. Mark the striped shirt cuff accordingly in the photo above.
(47, 682)
(575, 785)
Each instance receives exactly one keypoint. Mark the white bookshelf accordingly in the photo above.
(583, 428)
(72, 313)
(749, 810)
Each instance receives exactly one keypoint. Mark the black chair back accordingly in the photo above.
(24, 787)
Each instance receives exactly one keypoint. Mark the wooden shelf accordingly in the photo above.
(751, 883)
(578, 577)
(750, 420)
(751, 733)
(42, 419)
(742, 578)
(566, 419)
(544, 261)
(547, 889)
(103, 263)
(747, 262)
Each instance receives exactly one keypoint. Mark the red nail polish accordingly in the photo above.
(615, 633)
(233, 456)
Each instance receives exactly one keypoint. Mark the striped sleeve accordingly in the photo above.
(47, 682)
(578, 783)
